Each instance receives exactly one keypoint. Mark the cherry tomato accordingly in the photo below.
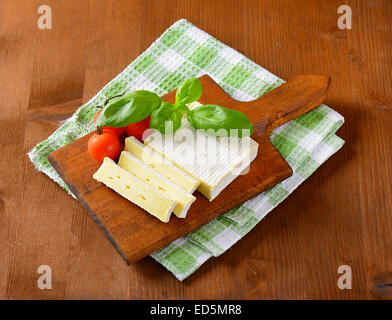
(137, 129)
(117, 131)
(104, 145)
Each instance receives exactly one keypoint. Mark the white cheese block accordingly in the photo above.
(214, 161)
(153, 178)
(130, 187)
(161, 165)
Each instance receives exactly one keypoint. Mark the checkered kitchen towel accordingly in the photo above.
(182, 52)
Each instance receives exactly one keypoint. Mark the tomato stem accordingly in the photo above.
(99, 130)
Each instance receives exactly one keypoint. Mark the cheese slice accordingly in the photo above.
(214, 161)
(153, 178)
(161, 165)
(130, 187)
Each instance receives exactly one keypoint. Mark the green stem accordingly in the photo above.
(116, 96)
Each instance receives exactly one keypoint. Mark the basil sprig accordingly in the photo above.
(137, 105)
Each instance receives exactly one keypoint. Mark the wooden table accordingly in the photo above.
(342, 215)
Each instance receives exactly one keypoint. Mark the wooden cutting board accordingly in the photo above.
(134, 232)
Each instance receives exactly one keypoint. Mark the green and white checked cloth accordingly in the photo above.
(184, 51)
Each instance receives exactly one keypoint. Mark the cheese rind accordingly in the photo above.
(161, 165)
(214, 161)
(212, 192)
(130, 187)
(153, 178)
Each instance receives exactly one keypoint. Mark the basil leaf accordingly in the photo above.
(166, 112)
(188, 92)
(216, 117)
(130, 108)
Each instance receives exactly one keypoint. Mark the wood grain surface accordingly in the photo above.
(341, 215)
(140, 233)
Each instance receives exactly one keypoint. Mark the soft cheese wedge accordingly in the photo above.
(153, 178)
(135, 190)
(214, 161)
(161, 165)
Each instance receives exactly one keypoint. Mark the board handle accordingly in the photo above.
(287, 102)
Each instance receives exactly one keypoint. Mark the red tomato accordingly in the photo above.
(137, 129)
(104, 145)
(116, 131)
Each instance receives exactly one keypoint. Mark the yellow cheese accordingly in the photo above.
(161, 165)
(135, 190)
(153, 178)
